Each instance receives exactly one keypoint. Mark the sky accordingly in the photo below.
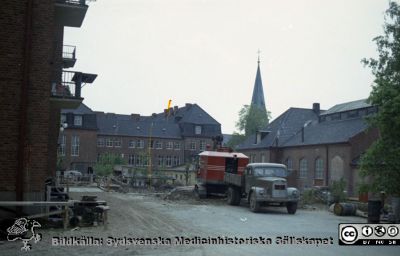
(146, 52)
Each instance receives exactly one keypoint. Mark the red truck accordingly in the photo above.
(212, 167)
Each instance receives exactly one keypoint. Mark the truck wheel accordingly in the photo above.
(291, 207)
(233, 196)
(254, 205)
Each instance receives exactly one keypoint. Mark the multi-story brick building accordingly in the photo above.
(34, 89)
(162, 141)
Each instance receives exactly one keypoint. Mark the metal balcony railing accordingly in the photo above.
(69, 52)
(70, 86)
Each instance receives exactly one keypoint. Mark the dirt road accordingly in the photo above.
(142, 216)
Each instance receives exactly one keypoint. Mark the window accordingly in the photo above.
(109, 142)
(131, 159)
(169, 145)
(100, 142)
(262, 158)
(202, 145)
(289, 163)
(158, 144)
(151, 143)
(140, 143)
(197, 129)
(131, 144)
(177, 145)
(252, 158)
(160, 160)
(117, 142)
(176, 161)
(75, 146)
(192, 145)
(78, 120)
(319, 168)
(138, 160)
(61, 147)
(168, 161)
(303, 168)
(145, 160)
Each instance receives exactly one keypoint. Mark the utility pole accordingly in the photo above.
(149, 170)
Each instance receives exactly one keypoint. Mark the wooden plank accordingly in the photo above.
(44, 214)
(37, 203)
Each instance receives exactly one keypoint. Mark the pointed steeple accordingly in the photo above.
(258, 92)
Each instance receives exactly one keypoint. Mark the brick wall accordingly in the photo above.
(12, 42)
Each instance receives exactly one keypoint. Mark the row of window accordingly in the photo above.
(303, 167)
(155, 144)
(141, 160)
(303, 163)
(75, 144)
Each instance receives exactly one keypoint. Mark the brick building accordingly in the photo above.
(34, 89)
(162, 141)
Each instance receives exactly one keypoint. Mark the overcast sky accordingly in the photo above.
(205, 51)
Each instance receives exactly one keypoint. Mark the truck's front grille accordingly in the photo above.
(280, 187)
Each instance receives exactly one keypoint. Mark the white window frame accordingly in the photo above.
(202, 145)
(197, 129)
(319, 168)
(140, 143)
(78, 120)
(192, 145)
(117, 142)
(61, 148)
(177, 145)
(75, 145)
(159, 144)
(132, 143)
(169, 145)
(303, 168)
(109, 142)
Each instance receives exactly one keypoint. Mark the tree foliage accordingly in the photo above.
(251, 119)
(381, 163)
(106, 163)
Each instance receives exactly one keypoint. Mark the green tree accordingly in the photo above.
(251, 119)
(381, 163)
(107, 162)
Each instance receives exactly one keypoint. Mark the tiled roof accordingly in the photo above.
(281, 129)
(81, 110)
(347, 106)
(126, 125)
(328, 132)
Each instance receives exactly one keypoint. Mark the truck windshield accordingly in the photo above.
(270, 171)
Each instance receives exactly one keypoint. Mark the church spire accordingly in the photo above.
(258, 92)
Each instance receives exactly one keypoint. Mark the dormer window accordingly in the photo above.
(197, 129)
(77, 120)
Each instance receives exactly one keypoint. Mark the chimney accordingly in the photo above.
(135, 117)
(316, 108)
(188, 105)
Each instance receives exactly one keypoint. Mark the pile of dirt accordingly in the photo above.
(181, 193)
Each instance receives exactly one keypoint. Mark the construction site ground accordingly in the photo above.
(156, 215)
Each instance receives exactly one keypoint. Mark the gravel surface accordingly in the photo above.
(136, 215)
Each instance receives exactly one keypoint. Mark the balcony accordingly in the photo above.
(71, 12)
(67, 94)
(68, 55)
